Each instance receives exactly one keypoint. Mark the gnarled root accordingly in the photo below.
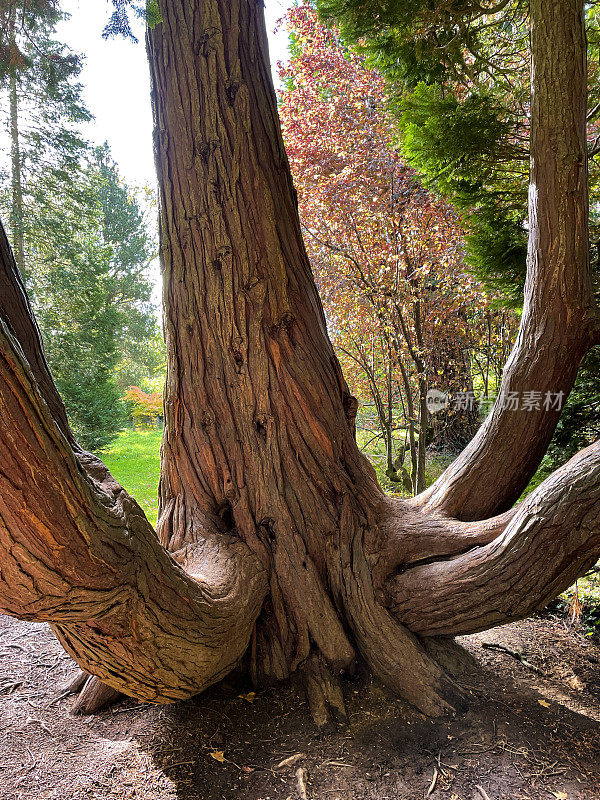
(324, 692)
(95, 696)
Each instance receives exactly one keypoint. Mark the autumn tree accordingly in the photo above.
(374, 236)
(275, 546)
(459, 90)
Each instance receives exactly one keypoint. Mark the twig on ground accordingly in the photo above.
(301, 778)
(515, 654)
(433, 781)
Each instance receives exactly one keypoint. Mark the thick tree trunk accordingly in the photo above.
(273, 531)
(259, 437)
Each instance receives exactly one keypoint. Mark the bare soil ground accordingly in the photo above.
(528, 735)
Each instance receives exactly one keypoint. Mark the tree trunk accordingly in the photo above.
(15, 156)
(455, 425)
(275, 539)
(559, 321)
(259, 439)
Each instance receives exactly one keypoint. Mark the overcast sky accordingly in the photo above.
(115, 77)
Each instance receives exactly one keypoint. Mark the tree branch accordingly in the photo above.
(553, 538)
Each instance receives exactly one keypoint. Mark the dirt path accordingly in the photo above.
(526, 736)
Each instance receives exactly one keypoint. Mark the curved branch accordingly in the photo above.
(407, 536)
(559, 322)
(553, 538)
(77, 551)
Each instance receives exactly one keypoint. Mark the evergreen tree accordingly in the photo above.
(43, 111)
(92, 295)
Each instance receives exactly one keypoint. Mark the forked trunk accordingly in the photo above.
(276, 539)
(259, 437)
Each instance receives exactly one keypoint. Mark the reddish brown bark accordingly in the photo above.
(77, 550)
(277, 530)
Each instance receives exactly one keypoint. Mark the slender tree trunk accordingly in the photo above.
(559, 321)
(410, 408)
(455, 425)
(389, 417)
(15, 156)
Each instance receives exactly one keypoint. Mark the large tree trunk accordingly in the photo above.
(273, 532)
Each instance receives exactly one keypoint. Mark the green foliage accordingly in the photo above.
(581, 603)
(119, 23)
(496, 250)
(91, 294)
(153, 17)
(460, 146)
(455, 144)
(134, 460)
(579, 424)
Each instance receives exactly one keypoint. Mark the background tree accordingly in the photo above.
(273, 531)
(43, 111)
(78, 234)
(146, 408)
(459, 89)
(90, 287)
(374, 236)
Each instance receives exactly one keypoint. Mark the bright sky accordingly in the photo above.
(116, 81)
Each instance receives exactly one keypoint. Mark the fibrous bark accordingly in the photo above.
(77, 551)
(274, 539)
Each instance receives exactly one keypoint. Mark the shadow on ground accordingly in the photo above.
(531, 733)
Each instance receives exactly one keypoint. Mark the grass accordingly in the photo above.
(134, 460)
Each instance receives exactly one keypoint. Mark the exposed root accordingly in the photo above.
(324, 692)
(450, 655)
(77, 684)
(95, 696)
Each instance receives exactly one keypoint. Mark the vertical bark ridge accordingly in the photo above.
(259, 438)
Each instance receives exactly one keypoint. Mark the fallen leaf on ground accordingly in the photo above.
(218, 755)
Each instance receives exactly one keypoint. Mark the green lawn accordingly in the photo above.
(134, 460)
